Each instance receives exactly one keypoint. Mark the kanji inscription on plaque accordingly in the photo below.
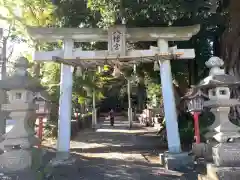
(116, 41)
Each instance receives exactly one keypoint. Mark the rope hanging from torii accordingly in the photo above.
(118, 63)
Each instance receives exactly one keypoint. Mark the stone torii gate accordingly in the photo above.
(117, 54)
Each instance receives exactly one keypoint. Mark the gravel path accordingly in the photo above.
(113, 153)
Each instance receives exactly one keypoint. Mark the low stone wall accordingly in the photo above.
(83, 123)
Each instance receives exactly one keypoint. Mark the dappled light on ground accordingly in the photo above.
(114, 156)
(117, 152)
(115, 168)
(120, 131)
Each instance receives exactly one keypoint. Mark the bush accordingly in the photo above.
(186, 128)
(50, 130)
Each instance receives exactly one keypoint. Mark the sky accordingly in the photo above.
(19, 48)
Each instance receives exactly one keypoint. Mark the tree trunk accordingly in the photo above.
(230, 50)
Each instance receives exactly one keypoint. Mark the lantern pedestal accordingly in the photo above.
(226, 162)
(220, 173)
(221, 118)
(176, 161)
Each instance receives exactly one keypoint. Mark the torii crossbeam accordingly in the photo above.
(98, 58)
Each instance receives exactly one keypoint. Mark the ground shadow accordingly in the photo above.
(108, 169)
(87, 168)
(113, 141)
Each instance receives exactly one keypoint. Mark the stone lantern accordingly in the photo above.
(18, 142)
(218, 85)
(43, 102)
(226, 149)
(194, 101)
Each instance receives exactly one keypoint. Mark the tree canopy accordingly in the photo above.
(210, 14)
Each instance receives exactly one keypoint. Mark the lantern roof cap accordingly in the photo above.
(214, 62)
(16, 82)
(42, 95)
(222, 80)
(20, 78)
(192, 93)
(217, 76)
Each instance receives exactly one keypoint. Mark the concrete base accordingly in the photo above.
(179, 161)
(62, 158)
(220, 173)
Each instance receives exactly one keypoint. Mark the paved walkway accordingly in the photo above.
(115, 153)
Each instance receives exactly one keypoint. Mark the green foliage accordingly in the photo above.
(27, 13)
(51, 79)
(84, 86)
(103, 13)
(75, 13)
(151, 12)
(186, 126)
(154, 92)
(205, 120)
(164, 13)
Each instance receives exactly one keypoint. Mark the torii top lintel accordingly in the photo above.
(101, 35)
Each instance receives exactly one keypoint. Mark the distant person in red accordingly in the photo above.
(111, 117)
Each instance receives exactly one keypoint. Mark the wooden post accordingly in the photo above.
(40, 130)
(196, 127)
(3, 76)
(129, 103)
(94, 111)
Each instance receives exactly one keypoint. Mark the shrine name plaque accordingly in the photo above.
(117, 40)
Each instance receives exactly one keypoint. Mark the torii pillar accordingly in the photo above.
(65, 100)
(170, 111)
